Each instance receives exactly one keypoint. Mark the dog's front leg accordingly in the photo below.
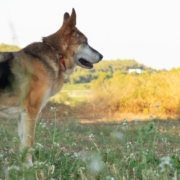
(26, 129)
(30, 109)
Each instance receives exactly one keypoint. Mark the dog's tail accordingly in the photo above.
(4, 56)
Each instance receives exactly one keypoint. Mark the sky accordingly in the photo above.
(147, 31)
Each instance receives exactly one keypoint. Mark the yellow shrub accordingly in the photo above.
(145, 93)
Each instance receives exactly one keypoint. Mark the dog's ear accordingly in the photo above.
(66, 18)
(72, 20)
(69, 23)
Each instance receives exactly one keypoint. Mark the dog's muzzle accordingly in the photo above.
(87, 57)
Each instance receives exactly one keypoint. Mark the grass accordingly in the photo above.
(65, 96)
(98, 151)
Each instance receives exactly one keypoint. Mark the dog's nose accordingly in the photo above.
(100, 56)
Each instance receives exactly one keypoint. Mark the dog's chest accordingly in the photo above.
(47, 95)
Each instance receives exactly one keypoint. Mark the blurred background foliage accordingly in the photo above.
(116, 89)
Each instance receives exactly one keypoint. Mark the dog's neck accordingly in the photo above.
(61, 57)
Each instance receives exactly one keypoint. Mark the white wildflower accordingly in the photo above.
(11, 150)
(109, 178)
(74, 144)
(51, 169)
(125, 123)
(53, 109)
(76, 155)
(176, 150)
(132, 156)
(15, 139)
(164, 140)
(91, 136)
(13, 167)
(38, 164)
(96, 165)
(43, 124)
(55, 144)
(165, 164)
(39, 146)
(129, 144)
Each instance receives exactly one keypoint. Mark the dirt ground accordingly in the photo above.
(88, 113)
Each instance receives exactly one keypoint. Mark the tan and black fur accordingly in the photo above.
(29, 77)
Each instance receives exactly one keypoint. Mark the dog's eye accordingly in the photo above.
(77, 35)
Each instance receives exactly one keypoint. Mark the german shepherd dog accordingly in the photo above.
(29, 77)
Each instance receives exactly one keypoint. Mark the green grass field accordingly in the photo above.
(69, 150)
(65, 95)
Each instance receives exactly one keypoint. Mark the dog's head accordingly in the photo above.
(73, 44)
(75, 41)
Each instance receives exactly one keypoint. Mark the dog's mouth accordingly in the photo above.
(85, 64)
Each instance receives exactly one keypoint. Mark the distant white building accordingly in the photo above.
(137, 70)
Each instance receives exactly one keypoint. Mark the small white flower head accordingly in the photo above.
(132, 156)
(76, 155)
(176, 150)
(109, 178)
(125, 123)
(66, 154)
(39, 146)
(38, 164)
(164, 140)
(13, 167)
(165, 164)
(11, 150)
(95, 165)
(129, 144)
(51, 169)
(53, 108)
(91, 136)
(15, 139)
(55, 144)
(82, 155)
(81, 168)
(42, 124)
(74, 144)
(29, 136)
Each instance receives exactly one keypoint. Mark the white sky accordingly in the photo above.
(147, 31)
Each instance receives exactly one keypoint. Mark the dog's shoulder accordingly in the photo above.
(37, 49)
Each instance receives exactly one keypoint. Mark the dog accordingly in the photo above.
(29, 77)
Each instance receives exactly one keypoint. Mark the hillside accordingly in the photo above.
(8, 48)
(107, 67)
